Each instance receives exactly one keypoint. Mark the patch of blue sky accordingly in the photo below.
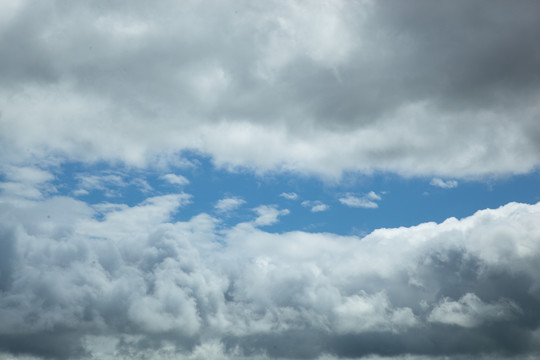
(386, 200)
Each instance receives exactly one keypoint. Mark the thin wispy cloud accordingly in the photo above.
(175, 179)
(367, 201)
(228, 204)
(448, 184)
(315, 206)
(289, 195)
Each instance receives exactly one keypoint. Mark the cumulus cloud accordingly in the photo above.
(442, 91)
(157, 288)
(268, 215)
(289, 196)
(315, 206)
(470, 311)
(448, 184)
(229, 204)
(367, 201)
(81, 81)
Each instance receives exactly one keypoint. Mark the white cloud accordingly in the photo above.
(111, 184)
(175, 179)
(80, 192)
(142, 185)
(235, 102)
(27, 174)
(268, 215)
(470, 311)
(329, 88)
(316, 206)
(363, 312)
(448, 184)
(367, 201)
(145, 277)
(373, 196)
(229, 204)
(108, 183)
(26, 182)
(289, 196)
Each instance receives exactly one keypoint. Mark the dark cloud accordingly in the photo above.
(372, 76)
(132, 284)
(7, 257)
(447, 90)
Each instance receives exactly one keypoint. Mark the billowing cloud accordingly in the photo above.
(367, 201)
(448, 184)
(81, 81)
(105, 94)
(133, 281)
(470, 311)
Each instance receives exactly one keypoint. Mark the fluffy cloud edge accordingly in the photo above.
(240, 283)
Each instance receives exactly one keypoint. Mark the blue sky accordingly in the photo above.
(399, 201)
(269, 180)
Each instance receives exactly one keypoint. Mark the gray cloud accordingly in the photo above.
(329, 87)
(446, 91)
(132, 284)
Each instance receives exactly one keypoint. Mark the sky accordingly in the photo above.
(270, 180)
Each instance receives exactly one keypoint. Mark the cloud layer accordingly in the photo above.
(447, 91)
(417, 89)
(125, 282)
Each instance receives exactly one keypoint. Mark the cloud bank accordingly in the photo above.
(442, 91)
(81, 281)
(330, 86)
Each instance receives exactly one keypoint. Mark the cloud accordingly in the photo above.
(175, 179)
(330, 88)
(470, 311)
(79, 83)
(161, 288)
(110, 184)
(289, 196)
(316, 206)
(268, 215)
(26, 182)
(367, 201)
(448, 184)
(229, 204)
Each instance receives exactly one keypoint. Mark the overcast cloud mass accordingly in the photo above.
(414, 88)
(446, 91)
